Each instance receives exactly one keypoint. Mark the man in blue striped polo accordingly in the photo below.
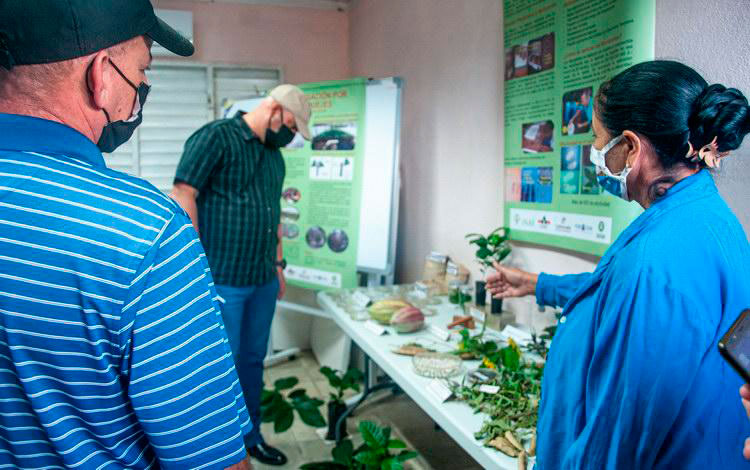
(229, 180)
(112, 350)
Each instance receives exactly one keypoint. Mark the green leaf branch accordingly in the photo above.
(279, 405)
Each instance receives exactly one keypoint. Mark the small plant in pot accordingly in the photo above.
(491, 248)
(339, 384)
(378, 452)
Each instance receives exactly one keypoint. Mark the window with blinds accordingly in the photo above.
(182, 99)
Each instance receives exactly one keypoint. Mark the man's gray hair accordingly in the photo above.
(35, 80)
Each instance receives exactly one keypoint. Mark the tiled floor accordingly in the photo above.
(409, 423)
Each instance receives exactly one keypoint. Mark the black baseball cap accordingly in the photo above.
(44, 31)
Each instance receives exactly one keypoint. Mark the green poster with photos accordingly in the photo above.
(320, 201)
(557, 54)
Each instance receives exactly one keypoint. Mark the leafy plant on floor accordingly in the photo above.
(379, 452)
(340, 383)
(278, 405)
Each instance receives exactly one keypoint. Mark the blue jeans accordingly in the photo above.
(247, 316)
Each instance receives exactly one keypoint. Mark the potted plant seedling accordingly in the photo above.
(491, 248)
(339, 384)
(378, 452)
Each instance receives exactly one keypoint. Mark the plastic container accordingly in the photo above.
(437, 365)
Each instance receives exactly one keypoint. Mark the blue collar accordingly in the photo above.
(689, 189)
(31, 134)
(693, 187)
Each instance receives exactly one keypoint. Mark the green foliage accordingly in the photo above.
(375, 454)
(458, 298)
(277, 406)
(540, 344)
(515, 407)
(493, 247)
(341, 383)
(474, 346)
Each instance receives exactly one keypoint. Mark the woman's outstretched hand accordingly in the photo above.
(511, 282)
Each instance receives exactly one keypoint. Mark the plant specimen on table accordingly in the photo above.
(491, 248)
(539, 344)
(512, 405)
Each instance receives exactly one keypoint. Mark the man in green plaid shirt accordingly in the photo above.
(229, 181)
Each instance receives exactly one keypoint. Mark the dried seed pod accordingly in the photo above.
(500, 443)
(532, 447)
(512, 439)
(522, 461)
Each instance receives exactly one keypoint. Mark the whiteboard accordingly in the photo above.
(378, 213)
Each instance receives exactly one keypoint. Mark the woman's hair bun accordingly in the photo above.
(719, 112)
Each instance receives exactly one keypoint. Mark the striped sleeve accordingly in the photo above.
(181, 378)
(202, 153)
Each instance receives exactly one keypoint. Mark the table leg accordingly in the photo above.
(368, 390)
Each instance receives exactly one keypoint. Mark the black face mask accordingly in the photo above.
(117, 133)
(280, 138)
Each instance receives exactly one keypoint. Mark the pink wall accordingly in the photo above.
(306, 44)
(449, 53)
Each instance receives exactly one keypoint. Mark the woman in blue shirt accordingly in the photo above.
(634, 379)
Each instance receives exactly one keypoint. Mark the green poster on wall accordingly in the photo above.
(320, 201)
(557, 54)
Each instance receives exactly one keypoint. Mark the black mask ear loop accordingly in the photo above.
(91, 92)
(88, 85)
(270, 118)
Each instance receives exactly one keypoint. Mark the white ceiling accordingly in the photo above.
(322, 4)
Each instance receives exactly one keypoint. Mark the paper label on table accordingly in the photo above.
(422, 288)
(361, 300)
(442, 334)
(478, 315)
(419, 294)
(492, 389)
(518, 335)
(439, 390)
(375, 328)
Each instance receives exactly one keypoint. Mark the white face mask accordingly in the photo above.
(614, 184)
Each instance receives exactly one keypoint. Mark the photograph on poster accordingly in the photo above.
(578, 107)
(513, 184)
(535, 56)
(297, 143)
(520, 60)
(509, 69)
(290, 214)
(315, 237)
(339, 136)
(548, 51)
(528, 58)
(570, 169)
(289, 230)
(536, 184)
(569, 181)
(537, 137)
(589, 182)
(570, 157)
(291, 195)
(338, 241)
